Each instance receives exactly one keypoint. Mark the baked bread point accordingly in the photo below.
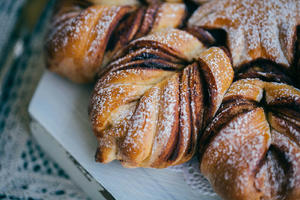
(150, 105)
(255, 29)
(84, 36)
(251, 149)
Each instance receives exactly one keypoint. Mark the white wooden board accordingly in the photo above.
(60, 107)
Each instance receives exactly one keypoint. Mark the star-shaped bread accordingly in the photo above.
(256, 29)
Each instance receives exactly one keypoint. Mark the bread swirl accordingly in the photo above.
(255, 29)
(149, 106)
(158, 88)
(251, 150)
(85, 36)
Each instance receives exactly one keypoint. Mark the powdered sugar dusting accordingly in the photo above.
(169, 15)
(279, 90)
(221, 71)
(236, 150)
(292, 154)
(101, 29)
(142, 129)
(250, 143)
(82, 34)
(270, 178)
(185, 103)
(112, 91)
(151, 132)
(74, 26)
(180, 42)
(168, 112)
(256, 29)
(251, 89)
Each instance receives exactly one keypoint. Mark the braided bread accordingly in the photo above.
(150, 104)
(255, 29)
(85, 36)
(251, 149)
(161, 93)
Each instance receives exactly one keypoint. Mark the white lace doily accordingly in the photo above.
(25, 171)
(194, 178)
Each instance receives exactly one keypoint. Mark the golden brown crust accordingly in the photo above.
(75, 48)
(114, 2)
(219, 78)
(255, 29)
(171, 41)
(84, 36)
(169, 15)
(251, 149)
(148, 112)
(229, 160)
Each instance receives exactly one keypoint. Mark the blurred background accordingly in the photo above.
(25, 171)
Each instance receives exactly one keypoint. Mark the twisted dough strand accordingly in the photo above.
(147, 110)
(251, 150)
(84, 36)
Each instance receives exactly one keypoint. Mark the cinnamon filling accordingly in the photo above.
(264, 70)
(277, 171)
(273, 176)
